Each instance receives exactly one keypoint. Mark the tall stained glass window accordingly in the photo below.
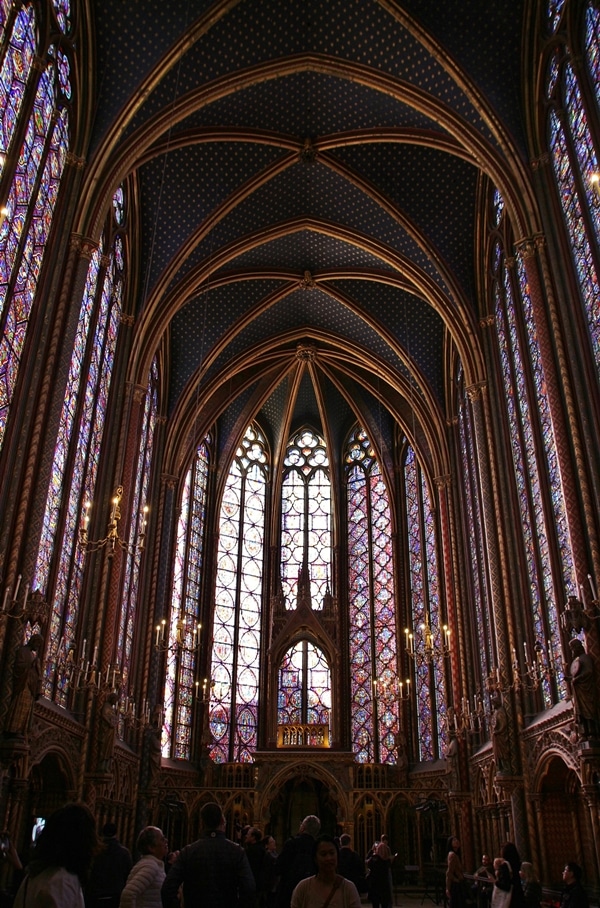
(233, 711)
(60, 562)
(533, 448)
(184, 631)
(575, 156)
(306, 518)
(40, 97)
(476, 555)
(137, 526)
(372, 606)
(430, 676)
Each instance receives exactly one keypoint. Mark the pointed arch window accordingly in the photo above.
(574, 156)
(430, 678)
(533, 447)
(306, 518)
(304, 689)
(185, 609)
(38, 100)
(233, 710)
(60, 562)
(137, 524)
(375, 720)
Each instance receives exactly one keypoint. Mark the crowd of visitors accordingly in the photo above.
(71, 867)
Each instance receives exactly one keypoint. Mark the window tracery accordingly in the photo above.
(233, 708)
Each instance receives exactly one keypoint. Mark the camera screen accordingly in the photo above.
(38, 825)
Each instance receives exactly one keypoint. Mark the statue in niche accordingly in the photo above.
(107, 729)
(452, 762)
(154, 748)
(582, 674)
(27, 687)
(500, 736)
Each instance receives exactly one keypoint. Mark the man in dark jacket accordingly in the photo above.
(573, 895)
(213, 870)
(351, 865)
(296, 861)
(109, 871)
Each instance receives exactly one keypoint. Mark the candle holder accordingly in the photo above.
(187, 636)
(422, 647)
(112, 538)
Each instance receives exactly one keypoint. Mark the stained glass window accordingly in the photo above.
(233, 714)
(375, 720)
(306, 518)
(137, 527)
(304, 690)
(185, 634)
(575, 161)
(534, 455)
(427, 624)
(33, 191)
(472, 503)
(59, 567)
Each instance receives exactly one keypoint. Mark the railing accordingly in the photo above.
(302, 735)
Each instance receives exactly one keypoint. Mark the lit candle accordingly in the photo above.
(581, 599)
(95, 659)
(157, 634)
(17, 588)
(525, 650)
(83, 649)
(589, 576)
(25, 596)
(6, 595)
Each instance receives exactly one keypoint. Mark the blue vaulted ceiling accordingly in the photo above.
(308, 174)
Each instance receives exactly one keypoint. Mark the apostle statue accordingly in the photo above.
(500, 736)
(107, 728)
(27, 685)
(582, 673)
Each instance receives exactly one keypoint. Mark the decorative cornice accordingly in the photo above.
(488, 321)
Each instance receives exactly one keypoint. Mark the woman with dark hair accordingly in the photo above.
(327, 889)
(61, 860)
(455, 878)
(510, 854)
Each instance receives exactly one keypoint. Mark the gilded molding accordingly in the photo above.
(475, 392)
(307, 281)
(488, 321)
(306, 353)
